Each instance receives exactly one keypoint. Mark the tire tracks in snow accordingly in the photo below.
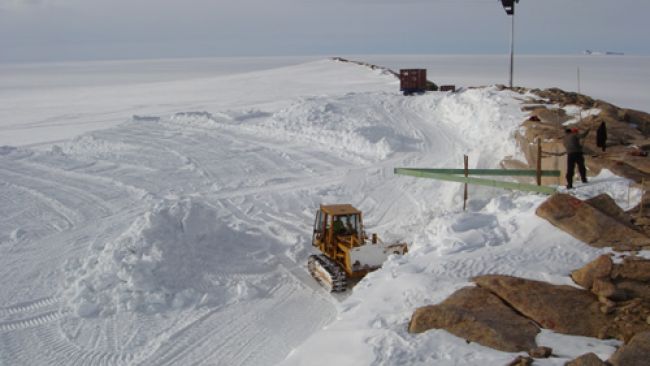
(29, 306)
(30, 314)
(75, 197)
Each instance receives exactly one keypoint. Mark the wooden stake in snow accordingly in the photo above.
(466, 162)
(539, 161)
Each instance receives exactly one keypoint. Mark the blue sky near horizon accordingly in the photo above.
(57, 30)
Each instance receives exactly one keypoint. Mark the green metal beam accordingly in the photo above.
(419, 173)
(491, 172)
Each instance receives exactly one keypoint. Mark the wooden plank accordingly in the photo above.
(538, 172)
(466, 162)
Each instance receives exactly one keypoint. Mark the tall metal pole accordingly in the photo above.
(512, 43)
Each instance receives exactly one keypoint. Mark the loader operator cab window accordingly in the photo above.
(346, 225)
(339, 228)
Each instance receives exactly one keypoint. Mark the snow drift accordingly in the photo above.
(178, 254)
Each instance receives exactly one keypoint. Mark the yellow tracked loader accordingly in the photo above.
(346, 250)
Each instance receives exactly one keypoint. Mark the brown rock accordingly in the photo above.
(521, 361)
(606, 204)
(641, 119)
(588, 359)
(606, 309)
(635, 353)
(541, 352)
(605, 301)
(589, 224)
(605, 288)
(551, 116)
(633, 268)
(564, 309)
(477, 315)
(601, 267)
(634, 289)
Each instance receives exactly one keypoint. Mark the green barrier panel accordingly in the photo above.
(492, 172)
(420, 173)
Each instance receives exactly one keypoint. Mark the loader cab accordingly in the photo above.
(336, 223)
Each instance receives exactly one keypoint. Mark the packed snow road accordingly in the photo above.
(180, 236)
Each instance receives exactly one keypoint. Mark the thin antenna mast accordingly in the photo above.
(509, 6)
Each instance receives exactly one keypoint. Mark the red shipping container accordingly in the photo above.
(413, 80)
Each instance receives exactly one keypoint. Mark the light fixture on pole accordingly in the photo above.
(509, 6)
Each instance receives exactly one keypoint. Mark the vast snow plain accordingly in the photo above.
(168, 221)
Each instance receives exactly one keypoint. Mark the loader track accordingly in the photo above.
(327, 273)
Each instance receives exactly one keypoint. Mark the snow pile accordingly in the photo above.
(176, 255)
(196, 119)
(90, 145)
(357, 124)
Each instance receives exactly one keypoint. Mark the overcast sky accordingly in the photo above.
(47, 30)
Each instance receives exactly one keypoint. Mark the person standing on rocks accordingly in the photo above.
(574, 155)
(601, 136)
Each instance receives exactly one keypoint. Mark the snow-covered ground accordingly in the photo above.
(57, 101)
(180, 235)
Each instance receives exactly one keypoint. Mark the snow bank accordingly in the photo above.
(354, 123)
(178, 254)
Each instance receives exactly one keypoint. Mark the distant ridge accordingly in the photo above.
(607, 53)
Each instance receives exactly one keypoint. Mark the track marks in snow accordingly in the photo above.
(230, 338)
(29, 314)
(57, 350)
(29, 306)
(34, 321)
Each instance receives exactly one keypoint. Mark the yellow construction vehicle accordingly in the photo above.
(346, 251)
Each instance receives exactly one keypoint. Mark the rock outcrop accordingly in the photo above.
(588, 359)
(615, 301)
(623, 289)
(627, 280)
(595, 222)
(628, 133)
(564, 309)
(477, 315)
(635, 353)
(601, 267)
(503, 311)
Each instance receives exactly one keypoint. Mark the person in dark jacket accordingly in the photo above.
(574, 155)
(601, 136)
